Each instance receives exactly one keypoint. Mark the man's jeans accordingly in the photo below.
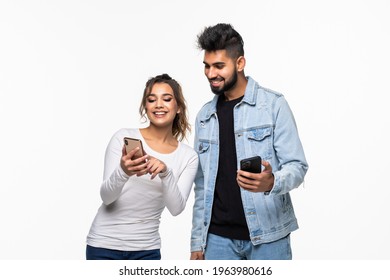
(222, 248)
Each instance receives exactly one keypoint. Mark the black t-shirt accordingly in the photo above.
(227, 217)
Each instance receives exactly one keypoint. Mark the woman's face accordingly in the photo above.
(161, 106)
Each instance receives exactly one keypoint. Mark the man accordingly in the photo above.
(237, 214)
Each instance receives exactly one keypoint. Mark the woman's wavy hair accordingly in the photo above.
(180, 125)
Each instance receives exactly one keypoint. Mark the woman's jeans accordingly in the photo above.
(94, 253)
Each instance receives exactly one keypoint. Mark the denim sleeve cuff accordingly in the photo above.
(196, 246)
(196, 249)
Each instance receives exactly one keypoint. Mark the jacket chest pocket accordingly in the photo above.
(260, 141)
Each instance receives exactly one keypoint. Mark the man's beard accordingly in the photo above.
(228, 85)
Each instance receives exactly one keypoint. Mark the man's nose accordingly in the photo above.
(211, 73)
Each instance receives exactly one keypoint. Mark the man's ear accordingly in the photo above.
(240, 63)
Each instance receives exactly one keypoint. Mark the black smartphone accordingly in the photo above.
(132, 143)
(252, 164)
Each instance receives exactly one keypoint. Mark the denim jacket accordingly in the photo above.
(263, 125)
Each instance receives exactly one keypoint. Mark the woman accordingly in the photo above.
(135, 191)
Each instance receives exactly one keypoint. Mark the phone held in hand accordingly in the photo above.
(252, 164)
(132, 143)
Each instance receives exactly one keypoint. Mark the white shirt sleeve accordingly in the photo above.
(114, 178)
(177, 190)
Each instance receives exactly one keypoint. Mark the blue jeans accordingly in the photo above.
(222, 248)
(94, 253)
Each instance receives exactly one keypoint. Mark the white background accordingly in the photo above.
(73, 72)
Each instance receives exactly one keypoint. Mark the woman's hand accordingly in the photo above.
(136, 166)
(155, 166)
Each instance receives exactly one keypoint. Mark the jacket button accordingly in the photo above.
(200, 147)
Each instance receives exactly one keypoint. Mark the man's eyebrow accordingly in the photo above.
(215, 63)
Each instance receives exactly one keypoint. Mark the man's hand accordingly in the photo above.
(257, 182)
(198, 255)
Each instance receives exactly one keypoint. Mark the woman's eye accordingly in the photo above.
(151, 100)
(167, 99)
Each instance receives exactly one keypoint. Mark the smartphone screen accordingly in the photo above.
(132, 143)
(252, 164)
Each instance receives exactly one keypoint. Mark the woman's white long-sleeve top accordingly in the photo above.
(129, 216)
